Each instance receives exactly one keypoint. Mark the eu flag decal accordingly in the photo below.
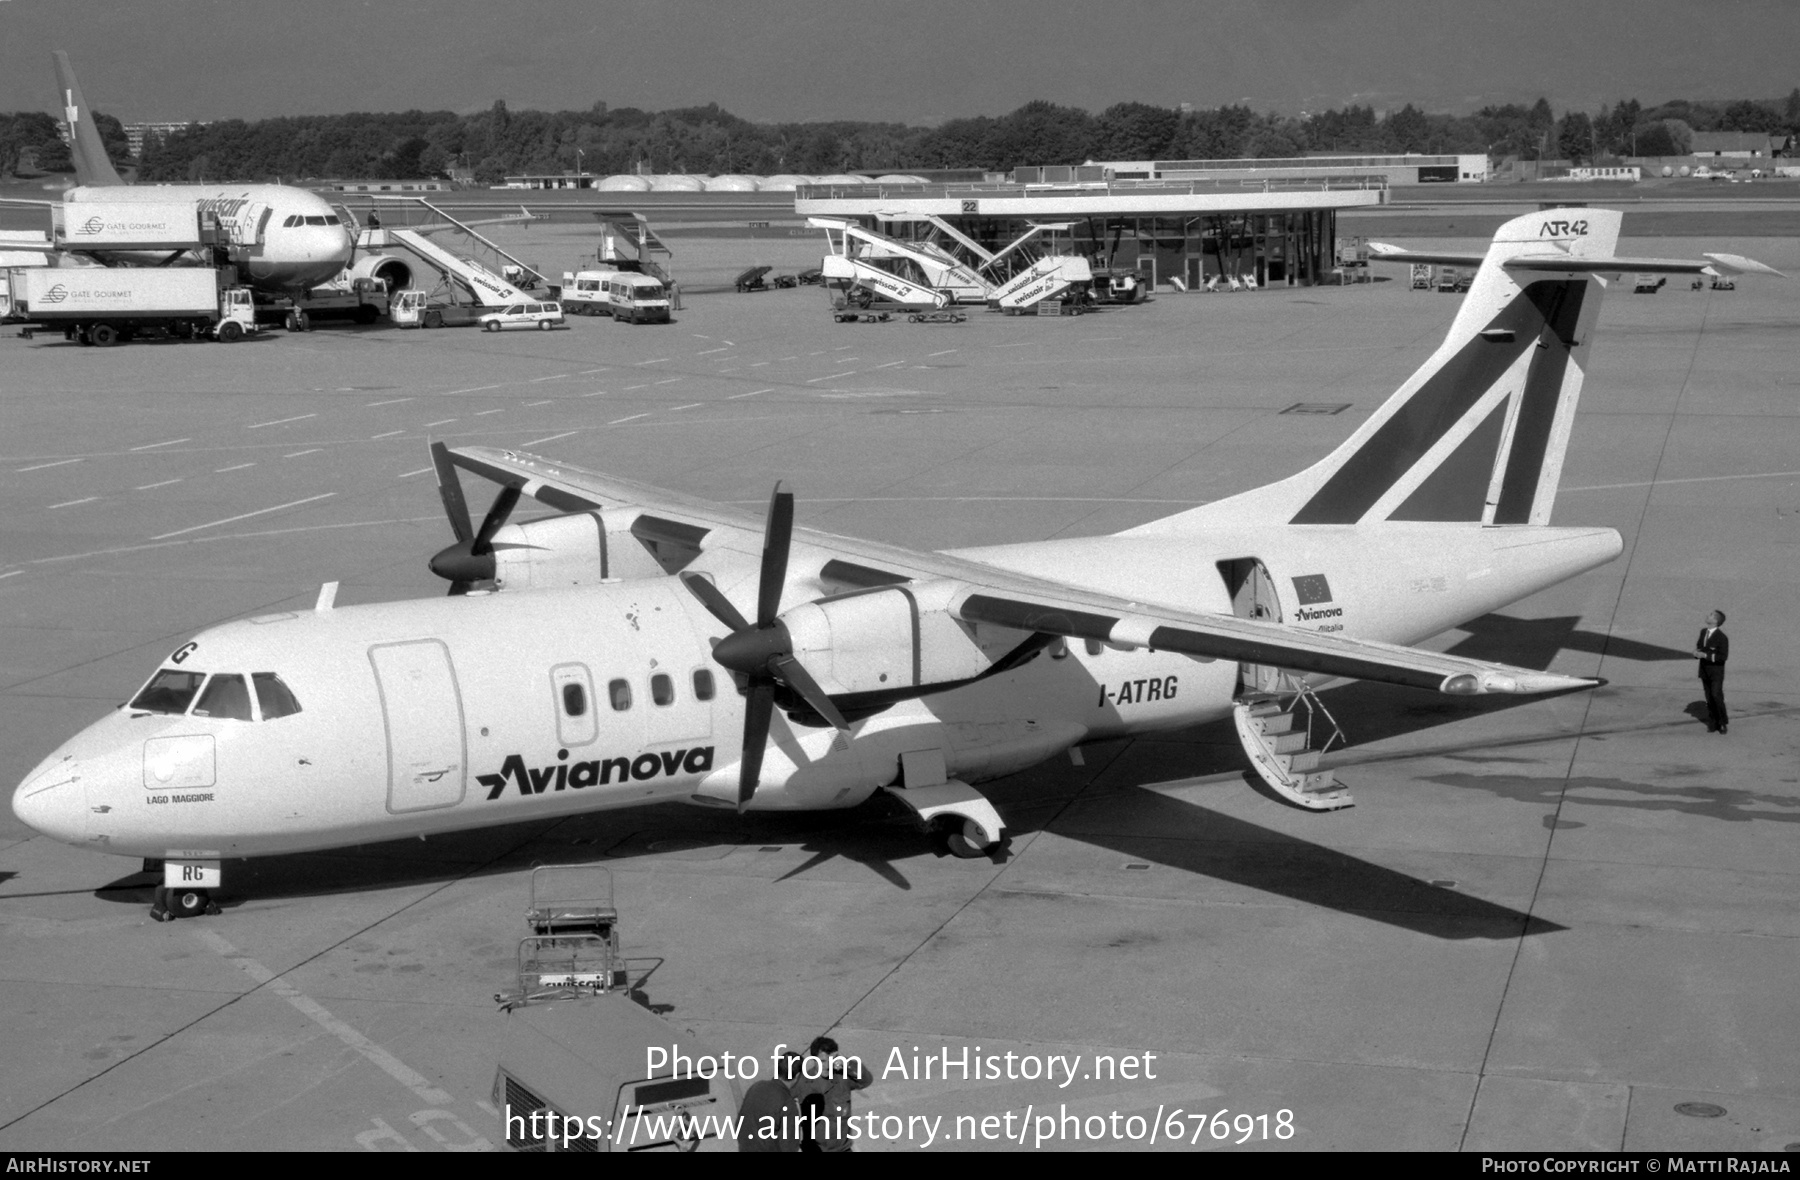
(1312, 588)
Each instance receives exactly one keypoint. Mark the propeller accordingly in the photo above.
(763, 652)
(471, 559)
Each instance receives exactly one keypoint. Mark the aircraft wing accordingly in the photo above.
(986, 595)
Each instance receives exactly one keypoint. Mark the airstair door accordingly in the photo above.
(422, 709)
(1253, 597)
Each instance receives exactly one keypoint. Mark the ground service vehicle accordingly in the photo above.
(112, 305)
(584, 1066)
(413, 308)
(636, 298)
(523, 315)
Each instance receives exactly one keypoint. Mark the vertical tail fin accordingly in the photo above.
(1478, 433)
(91, 163)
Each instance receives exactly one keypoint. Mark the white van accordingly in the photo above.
(584, 293)
(636, 298)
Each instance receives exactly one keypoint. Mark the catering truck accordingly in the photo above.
(113, 305)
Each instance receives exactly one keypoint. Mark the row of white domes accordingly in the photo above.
(784, 183)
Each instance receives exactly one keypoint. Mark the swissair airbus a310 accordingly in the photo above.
(640, 646)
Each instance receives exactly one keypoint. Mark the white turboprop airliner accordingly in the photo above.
(650, 647)
(288, 240)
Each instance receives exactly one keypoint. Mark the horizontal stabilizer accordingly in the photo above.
(1737, 264)
(1560, 263)
(1229, 637)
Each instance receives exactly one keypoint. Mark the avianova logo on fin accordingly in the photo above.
(565, 775)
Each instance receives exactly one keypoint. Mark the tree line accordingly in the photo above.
(707, 140)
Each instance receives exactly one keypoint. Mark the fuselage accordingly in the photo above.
(377, 722)
(290, 239)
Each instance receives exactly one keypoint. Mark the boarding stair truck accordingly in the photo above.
(1050, 277)
(925, 263)
(111, 305)
(857, 285)
(585, 1065)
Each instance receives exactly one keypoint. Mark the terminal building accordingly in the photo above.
(1185, 234)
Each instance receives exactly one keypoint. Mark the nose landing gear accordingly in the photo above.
(186, 891)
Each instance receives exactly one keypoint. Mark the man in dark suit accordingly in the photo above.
(1713, 649)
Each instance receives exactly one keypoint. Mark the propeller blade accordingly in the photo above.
(793, 674)
(759, 708)
(450, 491)
(496, 517)
(714, 600)
(778, 532)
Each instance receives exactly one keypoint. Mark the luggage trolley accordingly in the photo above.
(574, 942)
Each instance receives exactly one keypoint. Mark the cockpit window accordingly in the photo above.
(276, 699)
(292, 220)
(332, 219)
(226, 698)
(315, 220)
(169, 691)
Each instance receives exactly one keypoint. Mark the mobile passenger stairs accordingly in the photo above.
(867, 271)
(1278, 716)
(483, 278)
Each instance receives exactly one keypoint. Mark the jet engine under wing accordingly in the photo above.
(1252, 641)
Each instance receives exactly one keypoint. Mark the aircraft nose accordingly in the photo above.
(53, 802)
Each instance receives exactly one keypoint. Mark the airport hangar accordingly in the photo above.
(1280, 230)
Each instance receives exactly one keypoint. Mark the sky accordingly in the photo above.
(908, 61)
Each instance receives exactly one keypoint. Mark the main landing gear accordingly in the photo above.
(959, 817)
(187, 889)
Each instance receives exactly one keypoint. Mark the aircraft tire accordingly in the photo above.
(230, 332)
(959, 843)
(189, 903)
(103, 335)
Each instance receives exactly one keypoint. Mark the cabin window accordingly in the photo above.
(620, 692)
(169, 691)
(703, 684)
(574, 700)
(662, 689)
(276, 699)
(227, 698)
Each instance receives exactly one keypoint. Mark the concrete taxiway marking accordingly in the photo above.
(551, 377)
(392, 401)
(387, 434)
(547, 401)
(144, 487)
(312, 451)
(890, 364)
(672, 409)
(946, 352)
(11, 573)
(240, 466)
(212, 524)
(752, 393)
(72, 503)
(833, 377)
(596, 393)
(552, 438)
(585, 372)
(42, 466)
(153, 446)
(629, 388)
(410, 474)
(282, 421)
(439, 422)
(668, 381)
(654, 361)
(485, 413)
(383, 1060)
(707, 351)
(471, 389)
(633, 418)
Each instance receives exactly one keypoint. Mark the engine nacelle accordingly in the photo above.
(579, 549)
(892, 637)
(392, 271)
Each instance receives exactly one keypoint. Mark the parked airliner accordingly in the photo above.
(645, 646)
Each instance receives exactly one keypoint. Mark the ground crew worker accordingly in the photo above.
(822, 1083)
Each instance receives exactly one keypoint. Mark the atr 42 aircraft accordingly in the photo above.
(645, 646)
(286, 240)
